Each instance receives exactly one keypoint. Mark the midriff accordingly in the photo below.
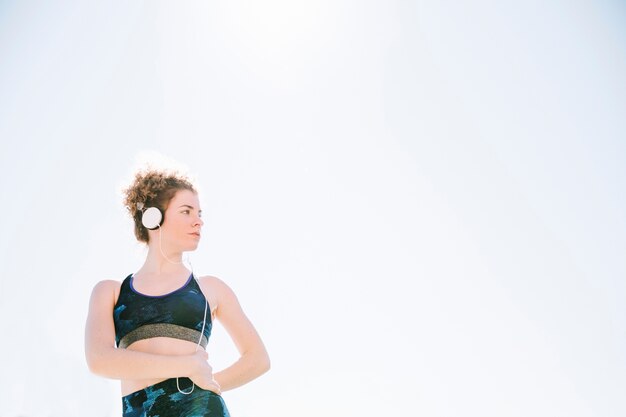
(158, 346)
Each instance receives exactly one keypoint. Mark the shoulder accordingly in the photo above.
(106, 290)
(225, 304)
(106, 286)
(216, 289)
(215, 285)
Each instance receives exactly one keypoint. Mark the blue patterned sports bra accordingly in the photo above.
(179, 314)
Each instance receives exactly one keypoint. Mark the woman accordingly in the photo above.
(151, 330)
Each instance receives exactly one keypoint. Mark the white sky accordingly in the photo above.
(419, 204)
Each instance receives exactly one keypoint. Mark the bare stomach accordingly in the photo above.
(158, 346)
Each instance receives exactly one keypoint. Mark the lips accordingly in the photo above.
(196, 234)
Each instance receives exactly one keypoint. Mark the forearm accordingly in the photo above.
(249, 366)
(128, 364)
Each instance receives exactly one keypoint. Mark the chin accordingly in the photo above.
(190, 248)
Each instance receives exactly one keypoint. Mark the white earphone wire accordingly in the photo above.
(163, 253)
(206, 305)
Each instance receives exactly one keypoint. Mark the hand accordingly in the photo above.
(203, 374)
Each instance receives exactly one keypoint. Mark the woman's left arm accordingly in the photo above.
(254, 360)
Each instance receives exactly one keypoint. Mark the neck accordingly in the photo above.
(162, 261)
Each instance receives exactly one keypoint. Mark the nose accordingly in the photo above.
(199, 221)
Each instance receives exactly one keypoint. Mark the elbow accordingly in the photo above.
(264, 363)
(257, 359)
(268, 363)
(96, 362)
(258, 363)
(94, 365)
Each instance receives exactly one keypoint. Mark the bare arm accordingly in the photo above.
(254, 360)
(104, 359)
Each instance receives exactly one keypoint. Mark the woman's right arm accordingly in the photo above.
(104, 359)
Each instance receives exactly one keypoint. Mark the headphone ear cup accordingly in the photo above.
(152, 218)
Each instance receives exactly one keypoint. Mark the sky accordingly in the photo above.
(419, 204)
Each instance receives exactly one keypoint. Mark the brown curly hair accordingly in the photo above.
(152, 188)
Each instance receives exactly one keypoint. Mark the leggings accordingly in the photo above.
(164, 400)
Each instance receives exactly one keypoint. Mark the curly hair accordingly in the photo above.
(152, 188)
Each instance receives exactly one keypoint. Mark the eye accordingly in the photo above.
(185, 211)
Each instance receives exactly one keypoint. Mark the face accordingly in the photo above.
(183, 223)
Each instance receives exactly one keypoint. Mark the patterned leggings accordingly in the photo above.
(164, 400)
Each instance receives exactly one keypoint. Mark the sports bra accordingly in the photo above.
(179, 314)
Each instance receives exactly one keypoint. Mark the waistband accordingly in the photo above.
(168, 386)
(163, 399)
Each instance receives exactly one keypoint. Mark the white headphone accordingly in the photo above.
(151, 218)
